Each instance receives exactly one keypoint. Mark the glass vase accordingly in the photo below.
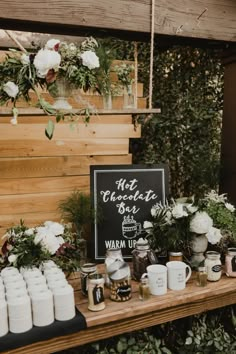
(128, 97)
(107, 101)
(63, 90)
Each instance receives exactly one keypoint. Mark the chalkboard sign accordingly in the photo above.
(124, 195)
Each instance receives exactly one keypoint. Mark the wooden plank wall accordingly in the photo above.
(211, 19)
(36, 173)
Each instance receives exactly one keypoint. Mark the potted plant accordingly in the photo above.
(77, 209)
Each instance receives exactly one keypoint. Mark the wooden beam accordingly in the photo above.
(211, 19)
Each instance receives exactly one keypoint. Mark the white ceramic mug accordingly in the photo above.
(177, 275)
(157, 275)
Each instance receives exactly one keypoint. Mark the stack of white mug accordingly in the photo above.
(30, 297)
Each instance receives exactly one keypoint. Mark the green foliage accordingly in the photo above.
(188, 87)
(77, 209)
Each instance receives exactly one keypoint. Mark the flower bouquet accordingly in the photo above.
(22, 72)
(28, 247)
(172, 226)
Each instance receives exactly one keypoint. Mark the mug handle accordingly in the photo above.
(144, 275)
(189, 272)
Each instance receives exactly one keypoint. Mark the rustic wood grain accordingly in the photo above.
(28, 167)
(211, 19)
(64, 147)
(69, 131)
(118, 318)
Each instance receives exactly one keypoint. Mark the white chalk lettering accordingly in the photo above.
(122, 184)
(126, 209)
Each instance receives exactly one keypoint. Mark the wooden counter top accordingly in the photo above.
(118, 318)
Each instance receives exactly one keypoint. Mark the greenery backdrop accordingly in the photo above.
(188, 87)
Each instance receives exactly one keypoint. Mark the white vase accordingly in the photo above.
(63, 90)
(199, 245)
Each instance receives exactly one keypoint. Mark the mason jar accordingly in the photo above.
(112, 255)
(96, 300)
(213, 266)
(230, 262)
(86, 270)
(143, 256)
(120, 281)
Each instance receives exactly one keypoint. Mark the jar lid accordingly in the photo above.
(88, 267)
(175, 254)
(120, 273)
(232, 251)
(212, 254)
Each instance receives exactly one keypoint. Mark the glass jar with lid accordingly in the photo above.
(112, 255)
(213, 266)
(86, 270)
(230, 262)
(143, 256)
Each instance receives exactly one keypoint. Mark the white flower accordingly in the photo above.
(215, 197)
(178, 211)
(25, 59)
(213, 235)
(54, 227)
(90, 59)
(11, 89)
(168, 218)
(52, 243)
(147, 225)
(192, 209)
(51, 43)
(45, 60)
(12, 258)
(29, 232)
(201, 223)
(230, 207)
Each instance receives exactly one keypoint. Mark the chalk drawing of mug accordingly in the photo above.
(130, 227)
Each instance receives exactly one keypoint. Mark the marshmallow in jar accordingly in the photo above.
(64, 302)
(20, 316)
(213, 266)
(3, 318)
(42, 307)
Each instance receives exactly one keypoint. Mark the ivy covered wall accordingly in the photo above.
(188, 87)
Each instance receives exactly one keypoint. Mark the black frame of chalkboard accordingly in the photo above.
(95, 170)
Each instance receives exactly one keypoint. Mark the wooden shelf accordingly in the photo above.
(118, 318)
(40, 112)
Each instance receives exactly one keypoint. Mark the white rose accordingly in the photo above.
(51, 43)
(90, 59)
(147, 225)
(25, 59)
(213, 235)
(11, 89)
(201, 223)
(154, 211)
(29, 232)
(45, 60)
(12, 258)
(52, 243)
(230, 207)
(54, 227)
(178, 211)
